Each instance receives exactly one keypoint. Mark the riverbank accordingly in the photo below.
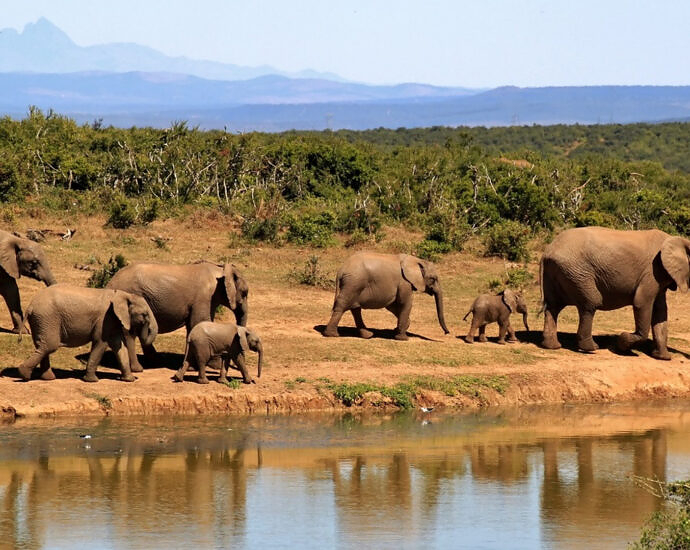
(573, 378)
(305, 371)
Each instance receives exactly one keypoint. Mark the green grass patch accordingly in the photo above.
(404, 393)
(102, 400)
(233, 384)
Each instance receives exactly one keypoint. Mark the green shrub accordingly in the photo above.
(358, 237)
(508, 239)
(432, 250)
(312, 229)
(101, 277)
(265, 230)
(680, 218)
(122, 214)
(594, 217)
(311, 275)
(149, 212)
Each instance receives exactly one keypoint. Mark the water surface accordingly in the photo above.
(528, 478)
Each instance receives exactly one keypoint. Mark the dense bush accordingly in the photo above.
(305, 186)
(101, 276)
(508, 240)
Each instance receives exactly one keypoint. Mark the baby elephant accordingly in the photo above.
(208, 340)
(70, 316)
(488, 308)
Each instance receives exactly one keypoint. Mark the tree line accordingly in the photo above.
(504, 185)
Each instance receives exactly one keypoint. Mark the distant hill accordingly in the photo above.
(43, 48)
(135, 92)
(128, 84)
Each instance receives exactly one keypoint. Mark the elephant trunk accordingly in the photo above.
(149, 332)
(260, 350)
(524, 321)
(438, 296)
(47, 277)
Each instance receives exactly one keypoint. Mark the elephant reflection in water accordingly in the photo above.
(504, 463)
(371, 492)
(139, 487)
(588, 501)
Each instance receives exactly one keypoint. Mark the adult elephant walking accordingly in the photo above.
(19, 257)
(373, 281)
(594, 268)
(182, 295)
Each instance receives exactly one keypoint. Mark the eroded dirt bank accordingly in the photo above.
(571, 378)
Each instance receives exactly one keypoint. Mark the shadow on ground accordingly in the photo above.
(384, 333)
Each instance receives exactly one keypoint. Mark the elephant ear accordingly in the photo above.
(413, 271)
(509, 299)
(121, 308)
(8, 258)
(674, 258)
(230, 288)
(242, 336)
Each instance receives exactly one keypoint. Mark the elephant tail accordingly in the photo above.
(466, 314)
(337, 288)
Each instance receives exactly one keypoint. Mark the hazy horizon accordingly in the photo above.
(497, 43)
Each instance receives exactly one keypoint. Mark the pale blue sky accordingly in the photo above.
(480, 43)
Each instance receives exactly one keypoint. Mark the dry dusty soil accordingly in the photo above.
(305, 371)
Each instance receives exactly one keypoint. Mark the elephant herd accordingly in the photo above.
(591, 268)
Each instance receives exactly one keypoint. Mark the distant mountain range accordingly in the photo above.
(43, 48)
(128, 84)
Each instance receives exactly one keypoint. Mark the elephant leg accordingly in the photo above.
(643, 322)
(339, 308)
(402, 312)
(242, 365)
(95, 356)
(502, 330)
(10, 293)
(27, 367)
(224, 366)
(473, 328)
(46, 373)
(511, 333)
(550, 334)
(359, 323)
(186, 363)
(122, 356)
(131, 345)
(482, 333)
(585, 342)
(660, 328)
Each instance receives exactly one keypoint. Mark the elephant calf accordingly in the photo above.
(208, 340)
(65, 315)
(489, 308)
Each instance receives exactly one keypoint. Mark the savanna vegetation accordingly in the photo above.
(503, 186)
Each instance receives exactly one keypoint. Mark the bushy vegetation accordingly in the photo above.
(102, 275)
(503, 185)
(666, 529)
(403, 393)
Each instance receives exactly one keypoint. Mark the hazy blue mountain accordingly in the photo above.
(277, 103)
(43, 48)
(135, 91)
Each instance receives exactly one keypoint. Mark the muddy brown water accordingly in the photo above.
(554, 477)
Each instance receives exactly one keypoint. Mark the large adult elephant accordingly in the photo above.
(594, 268)
(373, 281)
(183, 295)
(19, 257)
